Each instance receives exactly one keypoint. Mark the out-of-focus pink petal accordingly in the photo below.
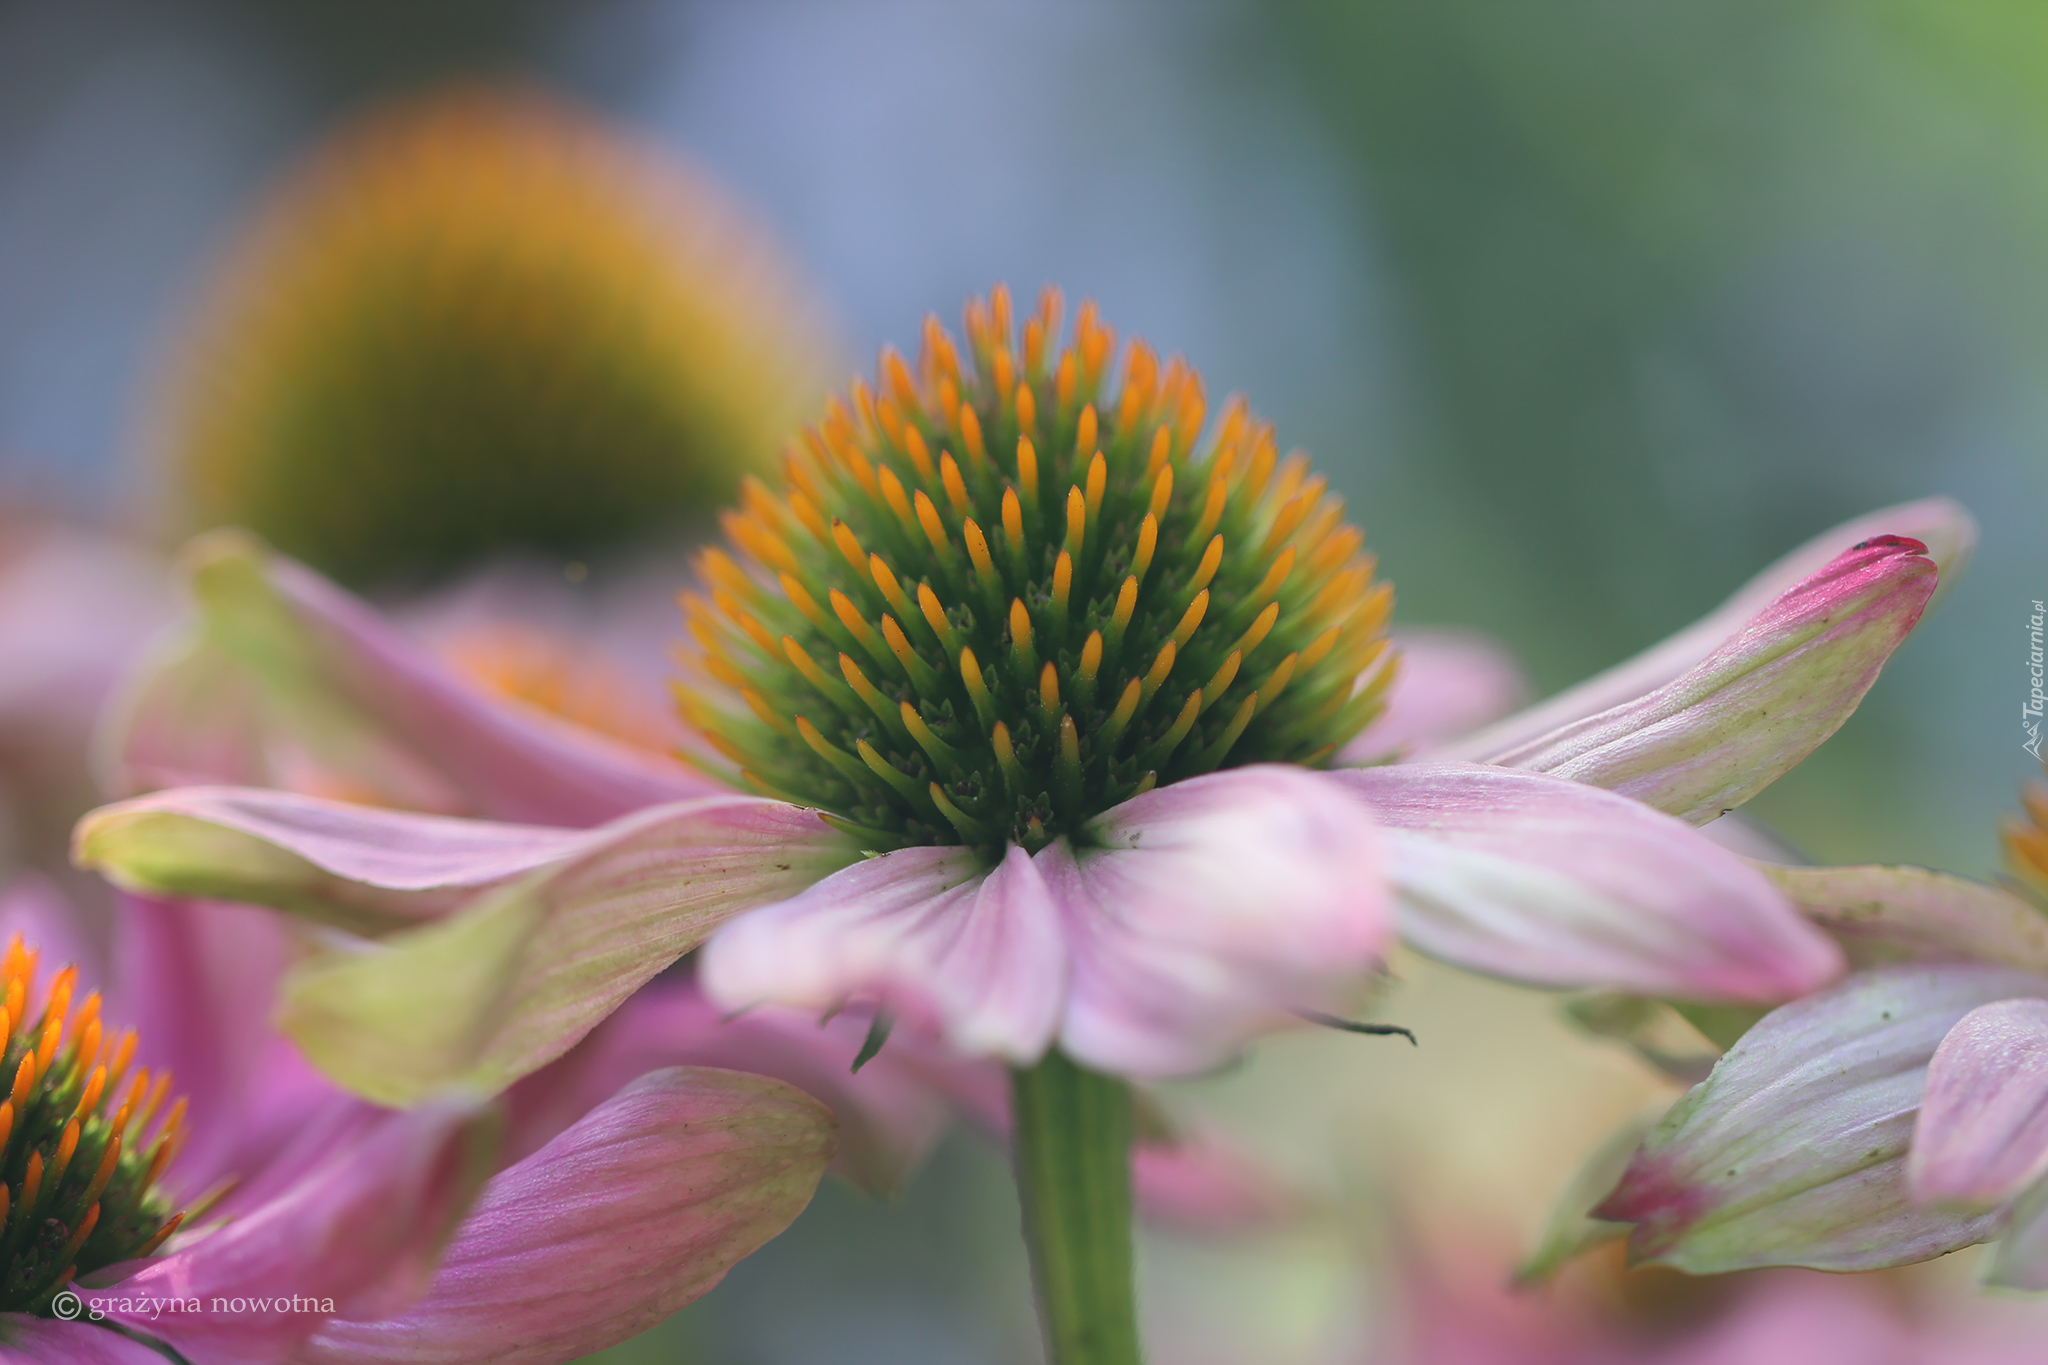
(1450, 683)
(32, 906)
(891, 1112)
(329, 860)
(1982, 1133)
(1209, 911)
(521, 972)
(637, 1210)
(1886, 913)
(25, 1339)
(1947, 530)
(1540, 880)
(1457, 1305)
(1788, 1317)
(931, 936)
(359, 1236)
(197, 982)
(361, 705)
(75, 607)
(1199, 1183)
(1794, 1151)
(1710, 739)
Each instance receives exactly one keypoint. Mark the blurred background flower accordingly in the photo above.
(479, 322)
(1587, 309)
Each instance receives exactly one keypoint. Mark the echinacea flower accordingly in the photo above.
(1893, 1117)
(1069, 677)
(479, 321)
(502, 722)
(316, 1227)
(325, 690)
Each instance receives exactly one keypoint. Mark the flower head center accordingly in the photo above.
(77, 1157)
(995, 600)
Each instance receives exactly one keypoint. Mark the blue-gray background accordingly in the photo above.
(1588, 308)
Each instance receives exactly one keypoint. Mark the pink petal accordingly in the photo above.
(1942, 525)
(523, 971)
(930, 935)
(360, 1235)
(1982, 1134)
(331, 860)
(1794, 1151)
(634, 1212)
(891, 1112)
(75, 608)
(364, 702)
(1209, 911)
(1450, 682)
(1885, 913)
(1543, 881)
(541, 932)
(1710, 739)
(197, 982)
(25, 1339)
(1200, 1183)
(1785, 1316)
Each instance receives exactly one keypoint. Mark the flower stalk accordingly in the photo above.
(1073, 1139)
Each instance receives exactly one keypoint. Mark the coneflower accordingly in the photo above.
(482, 321)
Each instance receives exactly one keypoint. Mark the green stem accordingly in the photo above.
(1073, 1146)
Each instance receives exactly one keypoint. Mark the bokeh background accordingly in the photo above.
(1589, 309)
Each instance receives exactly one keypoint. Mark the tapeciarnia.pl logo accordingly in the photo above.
(2030, 714)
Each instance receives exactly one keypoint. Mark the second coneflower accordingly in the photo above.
(481, 321)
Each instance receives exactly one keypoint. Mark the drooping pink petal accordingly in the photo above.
(932, 936)
(891, 1112)
(520, 972)
(637, 1210)
(361, 1235)
(1885, 913)
(1728, 727)
(1211, 910)
(24, 1339)
(358, 866)
(1982, 1134)
(359, 703)
(1543, 881)
(1450, 683)
(517, 967)
(1943, 526)
(1794, 1151)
